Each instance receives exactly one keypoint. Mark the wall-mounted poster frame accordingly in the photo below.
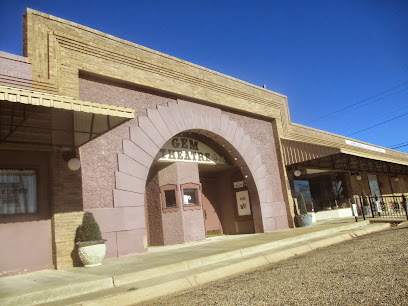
(243, 204)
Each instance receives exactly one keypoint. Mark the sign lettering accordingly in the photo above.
(188, 150)
(10, 191)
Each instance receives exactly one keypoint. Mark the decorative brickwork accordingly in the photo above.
(59, 50)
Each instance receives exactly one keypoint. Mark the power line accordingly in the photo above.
(353, 107)
(400, 145)
(397, 144)
(362, 101)
(373, 126)
(383, 115)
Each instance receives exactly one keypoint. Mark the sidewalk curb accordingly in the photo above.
(132, 277)
(66, 291)
(188, 282)
(403, 224)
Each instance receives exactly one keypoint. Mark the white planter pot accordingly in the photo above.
(91, 254)
(304, 220)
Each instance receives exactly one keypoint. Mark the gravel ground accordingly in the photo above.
(369, 270)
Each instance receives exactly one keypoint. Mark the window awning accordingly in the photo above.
(38, 118)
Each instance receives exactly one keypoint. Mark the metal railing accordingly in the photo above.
(383, 207)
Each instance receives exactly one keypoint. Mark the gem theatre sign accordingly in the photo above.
(183, 149)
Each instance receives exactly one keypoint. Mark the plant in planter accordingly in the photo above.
(366, 204)
(91, 246)
(303, 219)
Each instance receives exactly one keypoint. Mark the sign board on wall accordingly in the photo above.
(239, 184)
(364, 146)
(183, 149)
(244, 207)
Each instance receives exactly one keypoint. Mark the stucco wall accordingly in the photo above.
(154, 211)
(99, 158)
(15, 71)
(273, 206)
(26, 239)
(193, 221)
(180, 225)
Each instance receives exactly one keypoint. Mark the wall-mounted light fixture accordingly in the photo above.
(356, 175)
(72, 160)
(396, 178)
(74, 164)
(297, 173)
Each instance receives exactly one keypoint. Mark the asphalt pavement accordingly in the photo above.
(368, 270)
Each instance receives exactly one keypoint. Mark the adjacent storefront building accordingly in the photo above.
(162, 151)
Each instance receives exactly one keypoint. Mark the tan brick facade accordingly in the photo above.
(67, 211)
(59, 50)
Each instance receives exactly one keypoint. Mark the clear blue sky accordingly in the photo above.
(323, 55)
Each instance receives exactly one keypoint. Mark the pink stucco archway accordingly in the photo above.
(150, 134)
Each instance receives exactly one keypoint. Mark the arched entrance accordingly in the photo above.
(143, 145)
(196, 189)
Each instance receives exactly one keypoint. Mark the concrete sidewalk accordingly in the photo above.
(165, 270)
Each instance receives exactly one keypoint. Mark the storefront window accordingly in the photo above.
(18, 191)
(374, 187)
(303, 188)
(339, 190)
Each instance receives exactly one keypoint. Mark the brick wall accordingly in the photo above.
(67, 211)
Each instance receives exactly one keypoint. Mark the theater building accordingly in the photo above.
(162, 151)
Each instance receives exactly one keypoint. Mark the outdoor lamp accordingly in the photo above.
(74, 164)
(396, 179)
(297, 172)
(356, 175)
(72, 160)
